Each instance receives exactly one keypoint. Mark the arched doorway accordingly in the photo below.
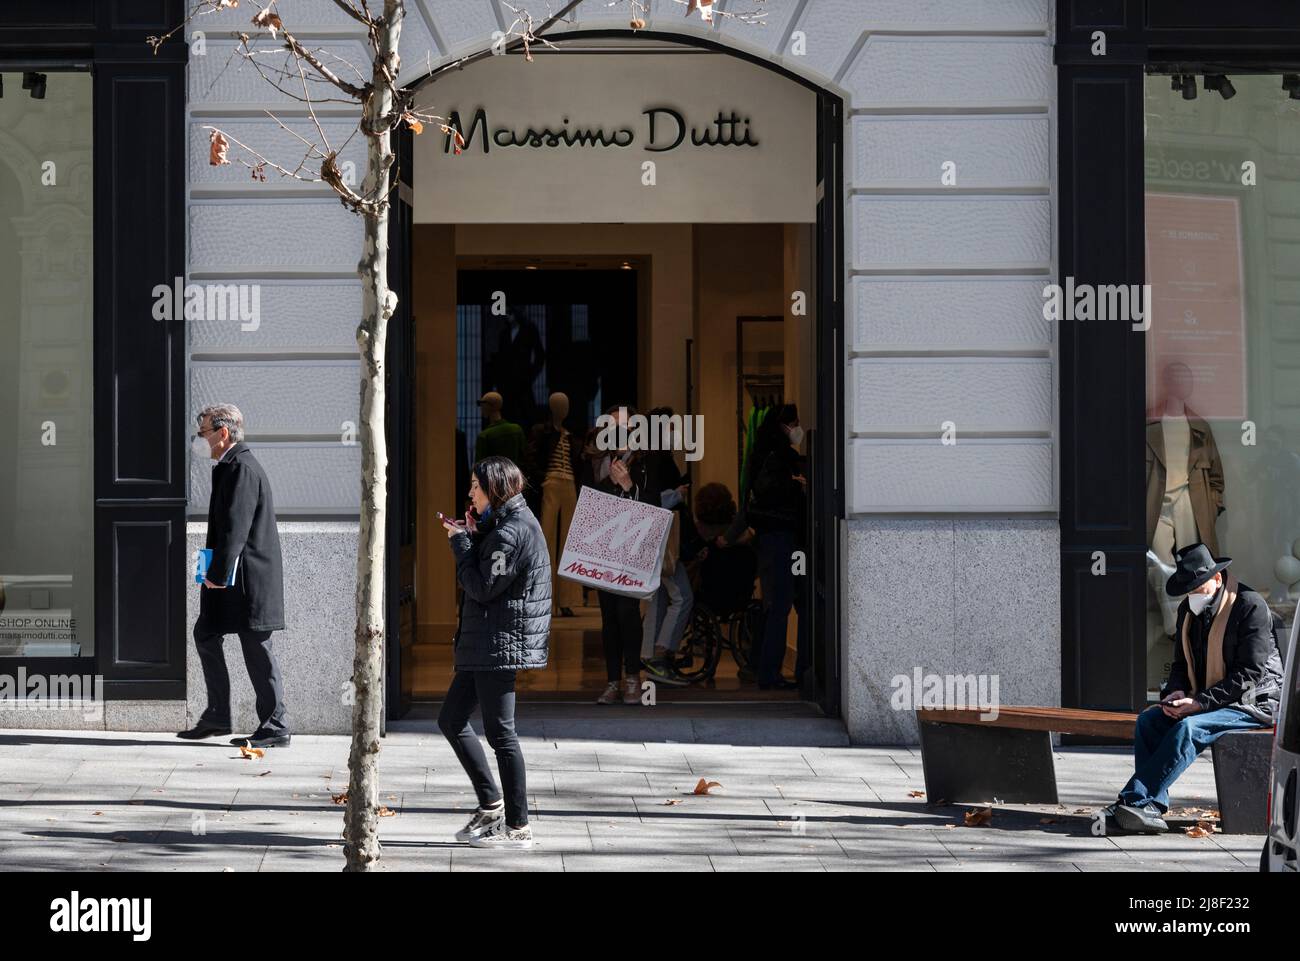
(492, 252)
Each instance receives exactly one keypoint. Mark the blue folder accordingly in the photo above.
(203, 560)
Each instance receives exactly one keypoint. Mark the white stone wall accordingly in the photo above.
(943, 319)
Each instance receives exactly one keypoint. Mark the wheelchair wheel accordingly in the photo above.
(697, 658)
(746, 629)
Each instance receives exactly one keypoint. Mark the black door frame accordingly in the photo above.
(1102, 235)
(826, 480)
(141, 453)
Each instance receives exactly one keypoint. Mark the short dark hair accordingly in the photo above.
(499, 478)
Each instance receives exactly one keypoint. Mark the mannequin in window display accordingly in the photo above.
(501, 437)
(1184, 495)
(552, 467)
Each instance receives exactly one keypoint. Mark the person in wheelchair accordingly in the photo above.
(723, 568)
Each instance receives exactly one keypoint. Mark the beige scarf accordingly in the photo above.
(1214, 669)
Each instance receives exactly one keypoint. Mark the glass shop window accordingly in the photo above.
(46, 429)
(1222, 173)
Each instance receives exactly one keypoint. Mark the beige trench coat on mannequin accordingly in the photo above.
(1204, 479)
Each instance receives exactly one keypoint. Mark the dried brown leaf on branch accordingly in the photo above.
(417, 128)
(458, 142)
(638, 23)
(219, 147)
(270, 20)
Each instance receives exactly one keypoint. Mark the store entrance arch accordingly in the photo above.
(507, 232)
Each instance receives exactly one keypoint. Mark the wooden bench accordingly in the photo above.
(1010, 758)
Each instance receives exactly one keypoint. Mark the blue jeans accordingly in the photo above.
(1163, 748)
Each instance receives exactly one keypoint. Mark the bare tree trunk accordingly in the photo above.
(361, 821)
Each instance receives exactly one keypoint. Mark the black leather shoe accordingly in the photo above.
(201, 730)
(784, 684)
(261, 739)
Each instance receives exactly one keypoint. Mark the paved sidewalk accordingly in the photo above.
(121, 801)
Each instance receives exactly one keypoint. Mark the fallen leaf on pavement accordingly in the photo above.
(1202, 829)
(340, 798)
(246, 751)
(979, 817)
(703, 786)
(673, 800)
(264, 774)
(385, 812)
(916, 794)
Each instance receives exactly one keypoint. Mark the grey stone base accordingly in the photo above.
(98, 716)
(958, 596)
(315, 651)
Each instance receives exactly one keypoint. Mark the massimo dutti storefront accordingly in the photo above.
(855, 212)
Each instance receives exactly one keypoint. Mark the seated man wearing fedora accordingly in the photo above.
(1226, 676)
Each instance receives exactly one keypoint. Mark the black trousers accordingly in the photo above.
(620, 634)
(493, 692)
(263, 671)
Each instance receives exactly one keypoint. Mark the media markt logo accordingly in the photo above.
(74, 914)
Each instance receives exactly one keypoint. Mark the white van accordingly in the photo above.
(1279, 852)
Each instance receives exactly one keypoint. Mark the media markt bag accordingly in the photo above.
(616, 544)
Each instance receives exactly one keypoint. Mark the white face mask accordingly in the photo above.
(200, 449)
(1199, 602)
(796, 435)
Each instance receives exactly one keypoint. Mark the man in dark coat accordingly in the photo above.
(245, 544)
(1226, 676)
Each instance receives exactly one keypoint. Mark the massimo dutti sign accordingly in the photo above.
(664, 129)
(603, 138)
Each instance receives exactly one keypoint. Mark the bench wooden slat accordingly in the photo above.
(1062, 720)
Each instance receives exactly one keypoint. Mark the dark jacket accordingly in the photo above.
(776, 499)
(1250, 657)
(241, 524)
(504, 570)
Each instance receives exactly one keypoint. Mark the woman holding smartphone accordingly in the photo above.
(504, 570)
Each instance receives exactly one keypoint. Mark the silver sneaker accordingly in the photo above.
(503, 838)
(1146, 820)
(483, 821)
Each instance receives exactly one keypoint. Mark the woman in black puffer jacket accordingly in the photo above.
(504, 570)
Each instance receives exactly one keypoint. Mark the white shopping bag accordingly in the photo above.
(616, 544)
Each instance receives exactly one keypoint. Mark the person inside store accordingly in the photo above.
(1226, 676)
(776, 510)
(622, 473)
(243, 587)
(504, 571)
(667, 610)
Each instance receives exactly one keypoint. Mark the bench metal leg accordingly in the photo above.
(1241, 769)
(969, 762)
